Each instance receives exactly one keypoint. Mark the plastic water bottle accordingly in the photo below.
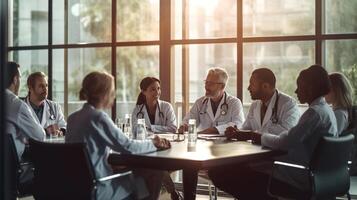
(192, 133)
(141, 130)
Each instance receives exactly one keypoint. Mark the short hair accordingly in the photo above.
(12, 70)
(31, 80)
(317, 78)
(95, 85)
(220, 72)
(144, 84)
(265, 75)
(342, 89)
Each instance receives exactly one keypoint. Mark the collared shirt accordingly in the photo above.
(38, 110)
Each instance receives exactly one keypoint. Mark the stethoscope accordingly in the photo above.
(52, 112)
(223, 107)
(140, 114)
(274, 116)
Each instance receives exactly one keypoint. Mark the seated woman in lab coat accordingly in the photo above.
(340, 97)
(94, 127)
(159, 117)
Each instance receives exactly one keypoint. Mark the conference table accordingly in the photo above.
(204, 155)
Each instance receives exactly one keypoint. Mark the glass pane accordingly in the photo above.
(28, 22)
(341, 57)
(138, 20)
(133, 64)
(341, 16)
(80, 63)
(29, 61)
(58, 24)
(278, 17)
(285, 59)
(206, 19)
(58, 76)
(200, 59)
(88, 21)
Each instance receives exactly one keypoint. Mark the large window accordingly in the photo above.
(177, 41)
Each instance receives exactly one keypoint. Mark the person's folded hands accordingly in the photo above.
(231, 133)
(161, 143)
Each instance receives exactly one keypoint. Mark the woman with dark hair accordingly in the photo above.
(340, 97)
(250, 181)
(159, 115)
(94, 127)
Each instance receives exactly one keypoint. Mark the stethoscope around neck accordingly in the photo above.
(223, 107)
(140, 114)
(274, 115)
(52, 112)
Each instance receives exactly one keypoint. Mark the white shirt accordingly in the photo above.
(203, 113)
(97, 130)
(164, 121)
(50, 108)
(287, 115)
(341, 119)
(300, 142)
(20, 122)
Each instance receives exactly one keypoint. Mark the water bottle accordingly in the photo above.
(192, 133)
(141, 130)
(127, 126)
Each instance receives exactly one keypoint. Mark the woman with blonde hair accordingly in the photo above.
(340, 97)
(94, 127)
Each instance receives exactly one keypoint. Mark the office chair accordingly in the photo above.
(64, 171)
(18, 188)
(328, 171)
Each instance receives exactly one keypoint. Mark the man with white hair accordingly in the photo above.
(217, 110)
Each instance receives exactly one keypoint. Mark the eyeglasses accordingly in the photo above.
(211, 82)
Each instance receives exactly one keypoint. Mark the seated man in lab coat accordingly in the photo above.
(48, 113)
(19, 120)
(217, 110)
(272, 111)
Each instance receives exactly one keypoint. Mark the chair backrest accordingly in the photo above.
(17, 187)
(62, 171)
(329, 166)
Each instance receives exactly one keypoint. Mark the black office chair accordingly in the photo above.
(64, 171)
(328, 171)
(18, 188)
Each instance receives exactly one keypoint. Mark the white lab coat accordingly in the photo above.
(287, 115)
(202, 112)
(163, 123)
(97, 130)
(50, 107)
(20, 122)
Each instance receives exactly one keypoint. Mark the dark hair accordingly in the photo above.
(95, 85)
(11, 71)
(144, 84)
(265, 75)
(317, 78)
